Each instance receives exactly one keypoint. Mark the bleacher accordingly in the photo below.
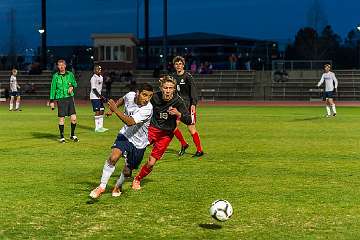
(226, 85)
(41, 84)
(220, 85)
(304, 88)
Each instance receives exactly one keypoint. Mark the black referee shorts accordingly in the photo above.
(66, 107)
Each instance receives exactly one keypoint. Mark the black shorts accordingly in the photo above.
(66, 107)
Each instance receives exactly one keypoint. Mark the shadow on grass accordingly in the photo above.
(306, 119)
(211, 226)
(41, 135)
(88, 186)
(175, 152)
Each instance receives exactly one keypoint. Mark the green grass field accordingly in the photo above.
(289, 173)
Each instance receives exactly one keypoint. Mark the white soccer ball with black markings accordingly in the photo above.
(221, 210)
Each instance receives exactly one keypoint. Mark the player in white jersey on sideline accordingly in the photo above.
(97, 100)
(132, 139)
(331, 84)
(14, 92)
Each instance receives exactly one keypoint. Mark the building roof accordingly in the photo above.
(202, 38)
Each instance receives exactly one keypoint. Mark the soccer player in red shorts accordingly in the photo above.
(187, 91)
(167, 108)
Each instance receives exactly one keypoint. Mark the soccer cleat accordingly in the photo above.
(334, 114)
(74, 138)
(327, 116)
(116, 192)
(198, 154)
(101, 129)
(183, 149)
(18, 109)
(96, 192)
(136, 184)
(62, 140)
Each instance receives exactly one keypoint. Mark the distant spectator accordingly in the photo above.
(108, 82)
(232, 61)
(193, 68)
(247, 61)
(240, 61)
(210, 68)
(202, 69)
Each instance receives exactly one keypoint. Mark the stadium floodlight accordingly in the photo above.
(41, 31)
(358, 27)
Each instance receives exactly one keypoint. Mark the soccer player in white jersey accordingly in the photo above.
(97, 100)
(132, 139)
(331, 84)
(14, 92)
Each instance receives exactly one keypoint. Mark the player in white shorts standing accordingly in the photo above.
(132, 139)
(331, 84)
(14, 92)
(96, 83)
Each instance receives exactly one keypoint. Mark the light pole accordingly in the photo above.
(41, 32)
(165, 35)
(358, 46)
(43, 58)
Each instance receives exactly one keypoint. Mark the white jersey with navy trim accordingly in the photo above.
(13, 84)
(137, 134)
(330, 81)
(96, 82)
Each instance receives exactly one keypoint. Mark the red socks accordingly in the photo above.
(180, 137)
(143, 172)
(197, 142)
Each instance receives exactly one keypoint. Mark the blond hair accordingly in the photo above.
(167, 78)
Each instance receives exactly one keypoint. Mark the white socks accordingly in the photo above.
(99, 121)
(333, 108)
(17, 105)
(11, 103)
(328, 110)
(121, 180)
(107, 172)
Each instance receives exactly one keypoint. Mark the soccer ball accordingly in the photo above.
(221, 210)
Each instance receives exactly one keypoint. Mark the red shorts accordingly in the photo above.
(160, 139)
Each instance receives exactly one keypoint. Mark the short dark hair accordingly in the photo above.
(145, 86)
(178, 59)
(61, 61)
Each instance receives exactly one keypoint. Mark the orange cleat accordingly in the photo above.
(97, 192)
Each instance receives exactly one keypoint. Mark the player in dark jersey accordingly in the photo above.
(167, 108)
(187, 91)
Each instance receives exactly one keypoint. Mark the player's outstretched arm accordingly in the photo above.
(126, 119)
(119, 103)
